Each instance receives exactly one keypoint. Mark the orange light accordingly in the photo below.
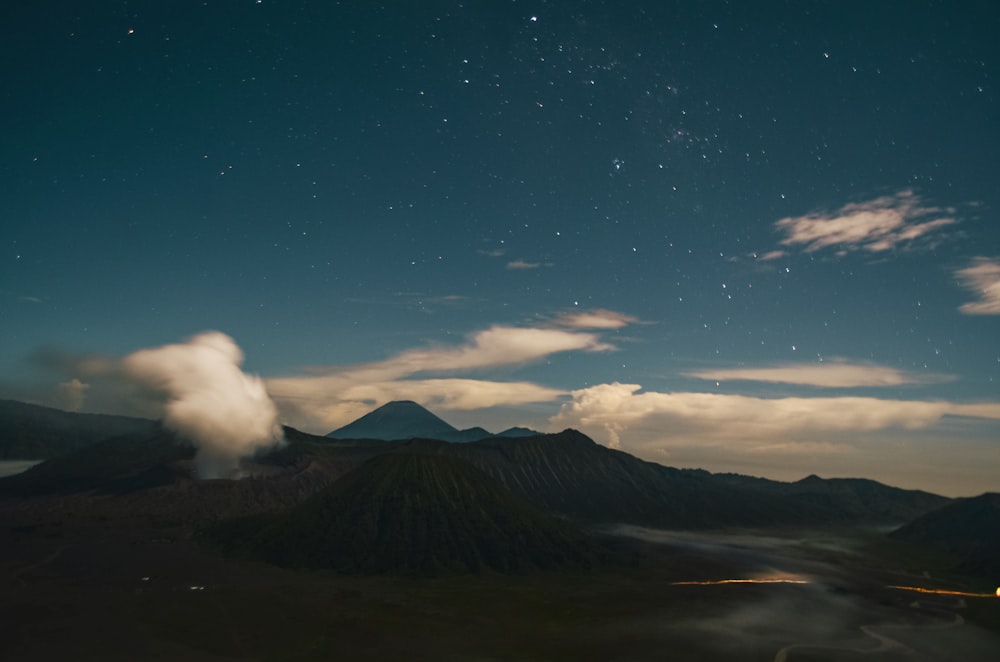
(936, 591)
(741, 581)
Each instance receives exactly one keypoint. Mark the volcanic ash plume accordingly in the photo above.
(225, 412)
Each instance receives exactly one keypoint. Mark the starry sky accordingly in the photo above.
(752, 237)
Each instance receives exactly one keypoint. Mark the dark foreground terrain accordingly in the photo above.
(79, 585)
(499, 549)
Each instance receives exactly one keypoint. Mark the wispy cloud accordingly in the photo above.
(983, 278)
(333, 395)
(522, 265)
(616, 412)
(833, 374)
(596, 319)
(878, 225)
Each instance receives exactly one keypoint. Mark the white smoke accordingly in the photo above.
(73, 393)
(226, 413)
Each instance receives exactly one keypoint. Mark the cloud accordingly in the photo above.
(771, 255)
(496, 346)
(835, 374)
(661, 419)
(332, 396)
(983, 278)
(875, 226)
(522, 264)
(206, 397)
(596, 319)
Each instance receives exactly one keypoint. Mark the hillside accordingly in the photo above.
(411, 514)
(968, 529)
(571, 475)
(33, 432)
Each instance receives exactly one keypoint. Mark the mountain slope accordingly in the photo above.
(567, 475)
(409, 513)
(115, 465)
(33, 432)
(404, 419)
(968, 528)
(570, 475)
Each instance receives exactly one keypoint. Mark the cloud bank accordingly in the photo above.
(878, 225)
(333, 396)
(616, 408)
(983, 278)
(206, 398)
(783, 436)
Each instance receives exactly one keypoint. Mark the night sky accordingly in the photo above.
(754, 237)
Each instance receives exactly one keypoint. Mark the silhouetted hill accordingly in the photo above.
(33, 432)
(413, 514)
(119, 464)
(400, 419)
(846, 498)
(567, 475)
(967, 528)
(403, 419)
(570, 475)
(518, 432)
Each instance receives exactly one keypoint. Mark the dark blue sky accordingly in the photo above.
(512, 211)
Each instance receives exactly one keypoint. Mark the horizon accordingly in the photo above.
(751, 239)
(28, 463)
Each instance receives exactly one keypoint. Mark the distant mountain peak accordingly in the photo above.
(395, 420)
(399, 420)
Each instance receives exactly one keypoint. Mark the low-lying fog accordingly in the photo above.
(11, 467)
(812, 596)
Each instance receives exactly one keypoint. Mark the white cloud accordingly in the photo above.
(496, 346)
(983, 278)
(621, 416)
(877, 225)
(522, 264)
(833, 374)
(596, 319)
(336, 395)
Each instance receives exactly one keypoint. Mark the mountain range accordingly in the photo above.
(425, 505)
(404, 419)
(33, 432)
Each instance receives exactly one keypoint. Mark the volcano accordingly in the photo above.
(400, 420)
(410, 513)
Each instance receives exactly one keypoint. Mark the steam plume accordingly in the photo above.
(225, 412)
